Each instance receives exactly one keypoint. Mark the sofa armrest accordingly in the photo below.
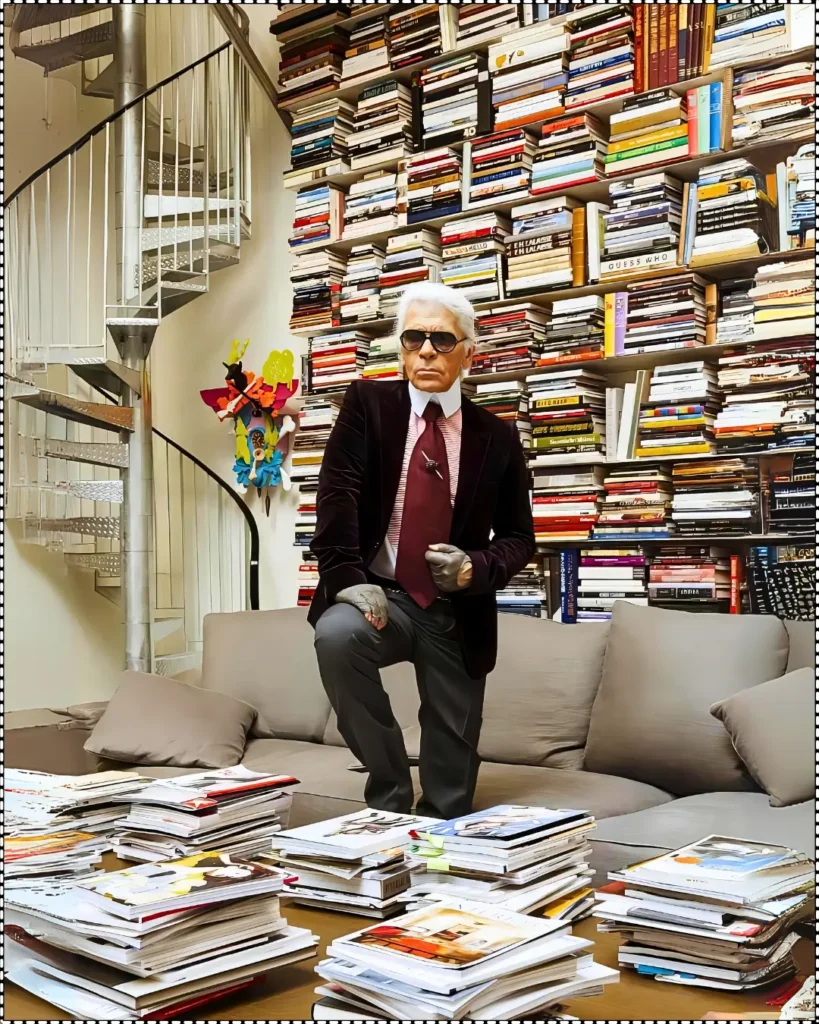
(39, 740)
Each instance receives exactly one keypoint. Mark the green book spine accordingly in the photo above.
(559, 442)
(657, 147)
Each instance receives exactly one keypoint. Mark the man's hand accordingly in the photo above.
(370, 600)
(451, 568)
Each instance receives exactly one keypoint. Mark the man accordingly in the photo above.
(415, 481)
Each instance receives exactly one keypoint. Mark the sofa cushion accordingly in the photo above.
(662, 672)
(802, 647)
(267, 659)
(399, 682)
(603, 795)
(772, 729)
(618, 842)
(539, 697)
(161, 721)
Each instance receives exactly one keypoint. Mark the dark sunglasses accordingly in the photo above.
(441, 341)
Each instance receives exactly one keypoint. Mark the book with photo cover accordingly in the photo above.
(353, 836)
(504, 825)
(211, 788)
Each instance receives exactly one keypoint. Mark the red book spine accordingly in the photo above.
(693, 122)
(736, 585)
(653, 47)
(673, 45)
(663, 58)
(639, 48)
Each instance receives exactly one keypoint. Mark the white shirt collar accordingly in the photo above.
(450, 401)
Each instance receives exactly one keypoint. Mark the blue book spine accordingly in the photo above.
(568, 585)
(716, 116)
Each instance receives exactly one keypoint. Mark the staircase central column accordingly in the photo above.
(137, 519)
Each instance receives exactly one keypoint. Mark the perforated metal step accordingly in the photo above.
(86, 526)
(93, 414)
(79, 451)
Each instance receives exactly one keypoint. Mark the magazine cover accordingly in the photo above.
(217, 785)
(358, 830)
(25, 847)
(719, 857)
(506, 821)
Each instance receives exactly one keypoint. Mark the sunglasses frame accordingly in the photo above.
(428, 335)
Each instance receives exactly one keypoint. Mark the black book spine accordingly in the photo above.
(417, 113)
(486, 109)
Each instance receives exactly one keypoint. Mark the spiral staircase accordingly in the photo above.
(102, 244)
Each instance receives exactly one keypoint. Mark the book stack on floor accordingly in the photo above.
(473, 256)
(319, 145)
(355, 864)
(540, 251)
(735, 321)
(510, 337)
(412, 257)
(501, 169)
(375, 203)
(593, 579)
(360, 288)
(154, 941)
(433, 185)
(508, 400)
(571, 151)
(366, 56)
(716, 497)
(310, 65)
(336, 359)
(668, 313)
(650, 131)
(318, 218)
(567, 409)
(566, 504)
(233, 810)
(383, 360)
(736, 217)
(784, 301)
(478, 22)
(316, 420)
(642, 228)
(690, 579)
(513, 857)
(457, 960)
(576, 332)
(773, 104)
(448, 94)
(307, 579)
(745, 32)
(768, 397)
(678, 418)
(793, 497)
(718, 913)
(525, 593)
(414, 33)
(601, 54)
(528, 70)
(796, 203)
(636, 506)
(317, 278)
(782, 581)
(382, 127)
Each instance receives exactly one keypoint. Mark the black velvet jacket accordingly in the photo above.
(359, 479)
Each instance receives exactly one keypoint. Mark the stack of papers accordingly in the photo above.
(61, 854)
(234, 809)
(152, 940)
(716, 914)
(354, 863)
(458, 960)
(514, 857)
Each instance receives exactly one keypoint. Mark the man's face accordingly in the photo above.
(427, 369)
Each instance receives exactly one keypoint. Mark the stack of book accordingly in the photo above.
(783, 300)
(605, 576)
(294, 20)
(366, 56)
(533, 856)
(410, 258)
(508, 400)
(233, 810)
(317, 279)
(501, 169)
(736, 218)
(690, 579)
(782, 581)
(525, 593)
(567, 409)
(382, 127)
(716, 497)
(383, 360)
(334, 360)
(433, 185)
(576, 331)
(642, 229)
(528, 70)
(355, 863)
(315, 423)
(540, 250)
(773, 104)
(672, 43)
(319, 145)
(151, 942)
(650, 131)
(769, 394)
(33, 859)
(457, 960)
(318, 218)
(448, 95)
(735, 320)
(510, 337)
(571, 151)
(560, 494)
(796, 203)
(664, 314)
(793, 497)
(478, 22)
(745, 32)
(601, 54)
(637, 505)
(716, 914)
(473, 256)
(308, 577)
(414, 34)
(360, 288)
(678, 418)
(377, 202)
(310, 65)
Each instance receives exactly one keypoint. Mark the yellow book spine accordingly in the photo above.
(608, 326)
(674, 449)
(725, 188)
(664, 135)
(709, 28)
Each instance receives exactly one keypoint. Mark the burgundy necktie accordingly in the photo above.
(427, 516)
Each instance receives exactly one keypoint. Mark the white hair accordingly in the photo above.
(434, 294)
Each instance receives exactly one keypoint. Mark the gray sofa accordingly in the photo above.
(610, 717)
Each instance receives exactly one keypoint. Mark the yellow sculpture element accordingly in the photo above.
(237, 350)
(242, 447)
(278, 367)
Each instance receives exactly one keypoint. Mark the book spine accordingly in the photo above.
(672, 75)
(639, 46)
(620, 322)
(711, 312)
(703, 119)
(608, 331)
(653, 47)
(693, 129)
(682, 43)
(696, 43)
(579, 247)
(736, 585)
(662, 62)
(716, 117)
(568, 585)
(486, 109)
(709, 27)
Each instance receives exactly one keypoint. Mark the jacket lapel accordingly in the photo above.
(394, 412)
(475, 441)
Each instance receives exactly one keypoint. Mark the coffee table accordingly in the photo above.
(288, 993)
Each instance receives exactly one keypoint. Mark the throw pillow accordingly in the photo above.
(154, 720)
(771, 728)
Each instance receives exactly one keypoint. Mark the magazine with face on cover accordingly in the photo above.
(505, 825)
(352, 836)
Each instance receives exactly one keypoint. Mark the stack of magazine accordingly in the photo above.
(515, 857)
(59, 855)
(456, 960)
(234, 809)
(716, 914)
(355, 863)
(153, 940)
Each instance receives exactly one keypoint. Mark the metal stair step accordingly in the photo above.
(96, 41)
(154, 238)
(184, 179)
(110, 587)
(182, 205)
(103, 86)
(110, 491)
(120, 327)
(82, 451)
(92, 414)
(163, 628)
(107, 375)
(180, 263)
(86, 526)
(108, 563)
(28, 16)
(172, 664)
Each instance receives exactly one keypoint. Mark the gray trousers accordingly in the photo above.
(350, 653)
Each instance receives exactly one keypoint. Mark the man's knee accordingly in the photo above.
(338, 628)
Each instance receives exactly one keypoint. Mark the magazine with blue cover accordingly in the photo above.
(506, 823)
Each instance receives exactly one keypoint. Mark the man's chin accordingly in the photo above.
(433, 383)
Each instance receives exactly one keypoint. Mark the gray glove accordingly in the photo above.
(451, 568)
(370, 600)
